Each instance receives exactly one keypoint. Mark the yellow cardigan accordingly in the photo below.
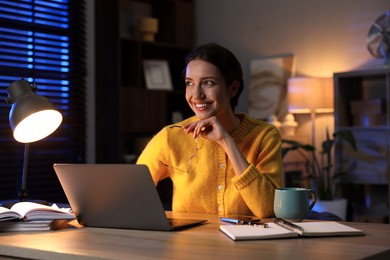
(210, 185)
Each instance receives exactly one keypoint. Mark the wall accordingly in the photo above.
(326, 36)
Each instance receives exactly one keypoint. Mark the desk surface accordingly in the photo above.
(200, 242)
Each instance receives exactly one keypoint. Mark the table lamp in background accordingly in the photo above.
(309, 95)
(32, 118)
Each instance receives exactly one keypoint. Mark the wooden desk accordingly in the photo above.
(200, 242)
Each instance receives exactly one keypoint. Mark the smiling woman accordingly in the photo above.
(219, 161)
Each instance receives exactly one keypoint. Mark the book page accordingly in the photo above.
(327, 228)
(31, 211)
(248, 232)
(24, 207)
(7, 214)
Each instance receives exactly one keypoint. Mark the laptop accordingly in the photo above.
(116, 196)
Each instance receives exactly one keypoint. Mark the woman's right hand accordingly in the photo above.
(209, 129)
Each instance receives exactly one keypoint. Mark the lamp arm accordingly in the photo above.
(23, 189)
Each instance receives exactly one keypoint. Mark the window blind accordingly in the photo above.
(43, 42)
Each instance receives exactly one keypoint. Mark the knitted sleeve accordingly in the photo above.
(258, 183)
(154, 155)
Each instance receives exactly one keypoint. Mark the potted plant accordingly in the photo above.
(322, 172)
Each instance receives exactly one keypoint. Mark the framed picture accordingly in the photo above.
(157, 75)
(268, 86)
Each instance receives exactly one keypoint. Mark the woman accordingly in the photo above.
(219, 161)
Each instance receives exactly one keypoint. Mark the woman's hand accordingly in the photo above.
(212, 130)
(209, 129)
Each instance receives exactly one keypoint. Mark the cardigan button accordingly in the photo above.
(222, 165)
(220, 187)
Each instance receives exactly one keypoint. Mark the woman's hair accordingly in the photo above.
(224, 60)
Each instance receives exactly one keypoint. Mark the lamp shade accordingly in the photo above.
(308, 95)
(32, 117)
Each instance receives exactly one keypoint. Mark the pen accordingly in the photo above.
(288, 225)
(244, 221)
(263, 225)
(240, 220)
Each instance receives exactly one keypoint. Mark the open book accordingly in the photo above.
(30, 211)
(284, 229)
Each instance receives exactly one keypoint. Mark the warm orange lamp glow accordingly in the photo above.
(310, 95)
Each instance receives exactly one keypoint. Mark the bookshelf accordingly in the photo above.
(127, 112)
(362, 106)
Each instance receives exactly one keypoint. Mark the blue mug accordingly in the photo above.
(293, 203)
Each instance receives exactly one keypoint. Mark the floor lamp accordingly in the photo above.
(32, 118)
(309, 95)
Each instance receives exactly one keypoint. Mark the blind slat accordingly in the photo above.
(36, 44)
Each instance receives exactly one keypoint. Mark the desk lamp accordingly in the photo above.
(32, 118)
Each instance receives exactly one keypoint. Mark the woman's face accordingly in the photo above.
(206, 91)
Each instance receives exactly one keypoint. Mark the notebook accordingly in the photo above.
(284, 229)
(116, 196)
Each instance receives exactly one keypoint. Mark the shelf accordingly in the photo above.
(147, 111)
(133, 52)
(155, 44)
(364, 129)
(362, 106)
(175, 20)
(126, 110)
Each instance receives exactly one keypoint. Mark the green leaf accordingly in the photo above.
(320, 171)
(348, 137)
(327, 146)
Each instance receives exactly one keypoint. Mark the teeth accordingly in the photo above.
(200, 105)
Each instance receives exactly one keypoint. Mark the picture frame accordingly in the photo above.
(157, 74)
(268, 85)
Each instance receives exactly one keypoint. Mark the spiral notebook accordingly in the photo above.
(284, 229)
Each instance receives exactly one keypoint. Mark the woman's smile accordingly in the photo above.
(202, 106)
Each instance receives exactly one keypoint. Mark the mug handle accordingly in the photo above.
(313, 198)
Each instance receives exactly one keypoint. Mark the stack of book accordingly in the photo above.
(30, 216)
